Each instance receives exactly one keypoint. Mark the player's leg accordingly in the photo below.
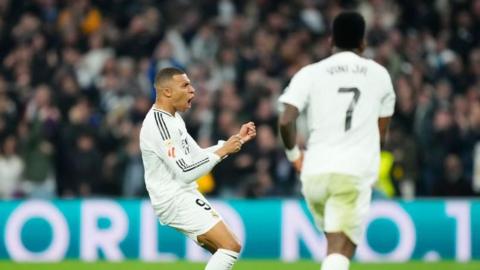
(345, 209)
(220, 236)
(197, 219)
(340, 243)
(340, 250)
(223, 244)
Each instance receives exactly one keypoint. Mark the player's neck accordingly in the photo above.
(339, 50)
(163, 106)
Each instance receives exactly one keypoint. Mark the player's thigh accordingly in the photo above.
(314, 189)
(347, 206)
(194, 215)
(220, 236)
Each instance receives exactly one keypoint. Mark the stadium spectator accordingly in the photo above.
(98, 62)
(11, 169)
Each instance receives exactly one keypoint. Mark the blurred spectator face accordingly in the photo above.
(152, 18)
(142, 104)
(39, 42)
(264, 42)
(255, 77)
(126, 68)
(69, 85)
(79, 113)
(110, 82)
(456, 65)
(226, 122)
(22, 75)
(476, 8)
(475, 115)
(453, 168)
(9, 146)
(95, 41)
(70, 56)
(405, 95)
(442, 120)
(444, 90)
(70, 36)
(85, 143)
(464, 19)
(228, 57)
(475, 62)
(42, 96)
(28, 25)
(265, 138)
(81, 5)
(395, 37)
(4, 5)
(229, 98)
(460, 105)
(137, 25)
(264, 109)
(164, 50)
(110, 66)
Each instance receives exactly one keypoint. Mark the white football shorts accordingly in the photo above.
(338, 203)
(193, 215)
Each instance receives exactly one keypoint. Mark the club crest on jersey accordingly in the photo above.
(168, 143)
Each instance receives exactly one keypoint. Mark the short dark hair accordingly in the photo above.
(348, 30)
(166, 74)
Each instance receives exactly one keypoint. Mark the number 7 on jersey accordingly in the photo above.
(351, 107)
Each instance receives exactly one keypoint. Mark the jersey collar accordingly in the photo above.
(162, 111)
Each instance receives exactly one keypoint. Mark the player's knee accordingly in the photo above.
(233, 246)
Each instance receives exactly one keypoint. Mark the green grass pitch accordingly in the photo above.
(242, 265)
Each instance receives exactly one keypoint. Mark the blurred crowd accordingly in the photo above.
(76, 81)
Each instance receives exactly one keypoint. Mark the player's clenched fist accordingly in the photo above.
(234, 143)
(247, 132)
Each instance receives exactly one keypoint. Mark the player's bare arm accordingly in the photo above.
(288, 134)
(383, 124)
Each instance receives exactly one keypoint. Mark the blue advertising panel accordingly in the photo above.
(102, 229)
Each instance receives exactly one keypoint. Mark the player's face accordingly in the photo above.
(183, 92)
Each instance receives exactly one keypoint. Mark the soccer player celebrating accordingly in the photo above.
(348, 101)
(173, 161)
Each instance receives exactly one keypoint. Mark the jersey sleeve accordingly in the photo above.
(387, 102)
(215, 147)
(188, 161)
(298, 90)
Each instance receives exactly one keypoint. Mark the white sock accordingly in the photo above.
(335, 261)
(223, 259)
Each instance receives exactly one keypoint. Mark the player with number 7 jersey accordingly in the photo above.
(348, 101)
(343, 96)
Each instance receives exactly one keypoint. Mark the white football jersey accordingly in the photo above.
(172, 160)
(342, 97)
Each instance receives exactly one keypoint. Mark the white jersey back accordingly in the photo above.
(343, 97)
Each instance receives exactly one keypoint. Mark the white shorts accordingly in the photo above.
(338, 203)
(194, 215)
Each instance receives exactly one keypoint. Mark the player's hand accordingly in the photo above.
(247, 132)
(232, 145)
(298, 163)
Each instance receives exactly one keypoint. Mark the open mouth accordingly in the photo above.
(189, 101)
